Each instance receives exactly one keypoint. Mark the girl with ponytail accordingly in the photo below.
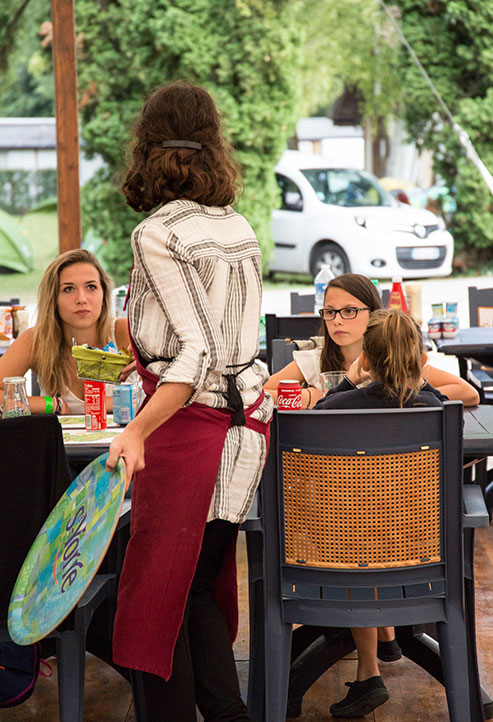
(393, 358)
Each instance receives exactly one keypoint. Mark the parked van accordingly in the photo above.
(344, 217)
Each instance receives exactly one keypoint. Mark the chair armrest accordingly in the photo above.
(475, 513)
(99, 588)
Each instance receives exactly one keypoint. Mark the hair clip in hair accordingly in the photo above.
(181, 144)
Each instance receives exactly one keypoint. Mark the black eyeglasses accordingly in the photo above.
(347, 313)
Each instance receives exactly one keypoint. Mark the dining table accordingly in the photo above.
(475, 342)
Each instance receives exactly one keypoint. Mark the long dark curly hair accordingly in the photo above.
(157, 175)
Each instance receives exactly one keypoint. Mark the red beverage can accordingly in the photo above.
(95, 405)
(289, 395)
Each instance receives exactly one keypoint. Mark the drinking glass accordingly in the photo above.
(331, 379)
(15, 401)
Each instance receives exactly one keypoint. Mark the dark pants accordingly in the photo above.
(204, 671)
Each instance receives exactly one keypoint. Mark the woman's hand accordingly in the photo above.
(128, 445)
(356, 374)
(127, 370)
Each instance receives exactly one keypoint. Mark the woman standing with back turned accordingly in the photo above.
(202, 434)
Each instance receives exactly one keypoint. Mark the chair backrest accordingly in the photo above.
(368, 506)
(302, 302)
(281, 353)
(288, 327)
(480, 306)
(34, 473)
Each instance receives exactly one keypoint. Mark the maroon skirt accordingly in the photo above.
(170, 501)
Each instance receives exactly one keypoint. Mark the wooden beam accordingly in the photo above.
(67, 134)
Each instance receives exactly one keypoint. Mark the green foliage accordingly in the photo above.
(27, 87)
(20, 190)
(353, 44)
(247, 53)
(453, 40)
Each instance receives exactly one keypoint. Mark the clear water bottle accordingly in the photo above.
(15, 401)
(322, 278)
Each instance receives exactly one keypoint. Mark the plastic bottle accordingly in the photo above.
(322, 278)
(120, 296)
(397, 299)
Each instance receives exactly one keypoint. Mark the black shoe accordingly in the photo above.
(362, 698)
(389, 651)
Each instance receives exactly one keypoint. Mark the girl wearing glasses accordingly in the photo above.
(349, 301)
(393, 358)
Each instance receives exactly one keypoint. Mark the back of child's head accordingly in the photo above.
(393, 344)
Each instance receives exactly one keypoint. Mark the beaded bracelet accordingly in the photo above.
(58, 404)
(48, 405)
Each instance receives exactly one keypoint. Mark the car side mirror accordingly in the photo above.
(292, 201)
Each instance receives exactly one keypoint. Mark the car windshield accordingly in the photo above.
(346, 187)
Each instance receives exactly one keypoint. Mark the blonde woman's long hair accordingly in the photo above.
(49, 362)
(393, 344)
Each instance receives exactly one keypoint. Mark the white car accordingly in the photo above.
(343, 217)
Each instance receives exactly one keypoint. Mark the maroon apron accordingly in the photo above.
(170, 501)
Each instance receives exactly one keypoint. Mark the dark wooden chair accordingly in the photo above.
(479, 374)
(313, 556)
(289, 327)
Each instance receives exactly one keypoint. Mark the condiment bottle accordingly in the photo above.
(397, 299)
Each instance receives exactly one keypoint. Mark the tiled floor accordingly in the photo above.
(415, 696)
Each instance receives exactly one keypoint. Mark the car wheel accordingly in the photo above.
(333, 255)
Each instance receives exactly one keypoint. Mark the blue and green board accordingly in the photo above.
(67, 552)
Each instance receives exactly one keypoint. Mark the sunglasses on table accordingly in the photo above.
(346, 313)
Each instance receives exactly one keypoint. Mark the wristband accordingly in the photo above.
(48, 405)
(309, 398)
(350, 382)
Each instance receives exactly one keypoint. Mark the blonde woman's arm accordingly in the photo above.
(453, 386)
(309, 397)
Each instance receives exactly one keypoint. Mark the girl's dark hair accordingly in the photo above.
(393, 343)
(157, 175)
(365, 291)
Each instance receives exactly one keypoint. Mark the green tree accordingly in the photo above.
(246, 53)
(454, 41)
(27, 87)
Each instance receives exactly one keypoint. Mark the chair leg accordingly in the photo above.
(138, 696)
(71, 670)
(452, 638)
(256, 667)
(278, 651)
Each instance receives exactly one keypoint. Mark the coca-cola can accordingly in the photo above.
(95, 405)
(289, 395)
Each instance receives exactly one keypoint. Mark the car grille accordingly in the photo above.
(406, 261)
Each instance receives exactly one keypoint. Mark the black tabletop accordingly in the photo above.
(468, 342)
(478, 430)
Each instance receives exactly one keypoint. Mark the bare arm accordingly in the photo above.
(456, 388)
(166, 401)
(293, 371)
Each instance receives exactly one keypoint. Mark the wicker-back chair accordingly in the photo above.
(363, 520)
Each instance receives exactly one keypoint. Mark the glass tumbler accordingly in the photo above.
(331, 379)
(15, 401)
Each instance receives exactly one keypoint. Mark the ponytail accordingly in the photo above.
(393, 344)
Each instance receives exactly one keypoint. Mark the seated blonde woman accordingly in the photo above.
(74, 304)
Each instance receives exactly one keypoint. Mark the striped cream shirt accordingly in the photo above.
(194, 310)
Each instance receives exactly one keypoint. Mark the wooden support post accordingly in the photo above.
(67, 134)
